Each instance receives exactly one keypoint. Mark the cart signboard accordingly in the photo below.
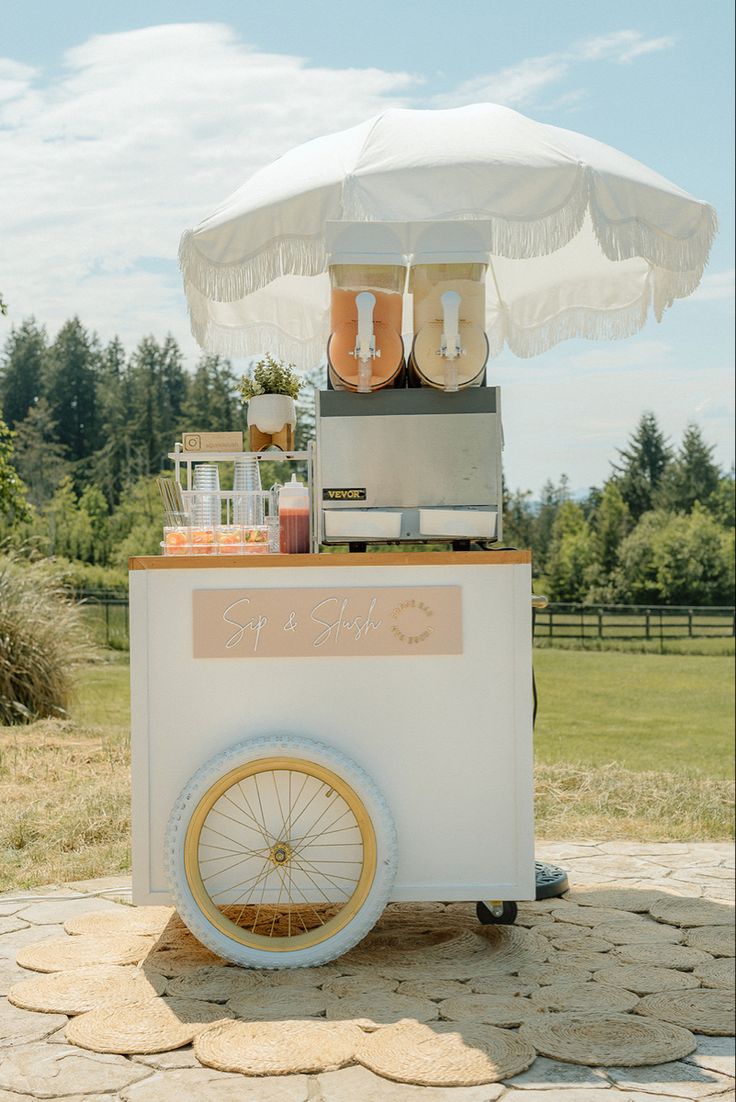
(345, 622)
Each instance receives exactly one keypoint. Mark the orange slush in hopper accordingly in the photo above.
(450, 347)
(365, 351)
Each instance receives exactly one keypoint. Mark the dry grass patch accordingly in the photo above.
(608, 802)
(64, 803)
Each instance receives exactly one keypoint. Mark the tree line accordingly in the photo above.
(88, 428)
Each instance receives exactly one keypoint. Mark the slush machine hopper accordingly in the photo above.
(409, 437)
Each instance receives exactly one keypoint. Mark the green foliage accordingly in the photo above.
(39, 457)
(13, 505)
(642, 466)
(691, 476)
(24, 361)
(676, 559)
(41, 642)
(611, 522)
(71, 388)
(572, 559)
(270, 376)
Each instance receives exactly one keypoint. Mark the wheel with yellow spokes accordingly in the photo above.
(281, 853)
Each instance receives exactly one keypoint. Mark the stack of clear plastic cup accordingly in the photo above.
(247, 499)
(205, 508)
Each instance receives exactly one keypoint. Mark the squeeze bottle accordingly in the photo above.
(294, 518)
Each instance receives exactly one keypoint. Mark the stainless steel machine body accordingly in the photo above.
(409, 465)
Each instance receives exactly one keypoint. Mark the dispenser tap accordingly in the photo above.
(365, 343)
(450, 346)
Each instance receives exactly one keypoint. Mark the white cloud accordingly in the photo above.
(521, 84)
(141, 135)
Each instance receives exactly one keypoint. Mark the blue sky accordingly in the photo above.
(112, 142)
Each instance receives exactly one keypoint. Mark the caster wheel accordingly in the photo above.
(507, 917)
(551, 880)
(281, 853)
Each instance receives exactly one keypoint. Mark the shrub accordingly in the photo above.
(41, 642)
(270, 376)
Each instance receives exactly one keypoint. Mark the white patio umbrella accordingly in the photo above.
(580, 239)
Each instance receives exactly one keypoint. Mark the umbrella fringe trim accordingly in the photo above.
(683, 258)
(577, 322)
(229, 282)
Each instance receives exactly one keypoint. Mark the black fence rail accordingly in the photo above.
(106, 614)
(633, 622)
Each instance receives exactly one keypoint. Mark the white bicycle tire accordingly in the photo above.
(196, 912)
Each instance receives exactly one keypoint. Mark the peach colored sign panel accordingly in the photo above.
(314, 623)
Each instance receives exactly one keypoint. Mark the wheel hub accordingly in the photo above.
(280, 853)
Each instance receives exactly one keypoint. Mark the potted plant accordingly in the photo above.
(269, 388)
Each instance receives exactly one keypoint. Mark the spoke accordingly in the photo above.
(206, 826)
(239, 822)
(258, 908)
(320, 786)
(244, 883)
(278, 800)
(327, 898)
(324, 811)
(292, 808)
(316, 914)
(248, 856)
(267, 836)
(312, 837)
(263, 813)
(315, 869)
(221, 872)
(249, 814)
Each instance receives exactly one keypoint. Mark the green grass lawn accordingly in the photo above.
(628, 746)
(671, 713)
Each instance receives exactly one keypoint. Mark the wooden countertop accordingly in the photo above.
(372, 558)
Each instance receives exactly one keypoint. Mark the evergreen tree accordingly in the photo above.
(642, 467)
(518, 519)
(157, 386)
(39, 457)
(691, 476)
(13, 505)
(212, 404)
(112, 466)
(610, 520)
(552, 498)
(722, 502)
(71, 389)
(22, 371)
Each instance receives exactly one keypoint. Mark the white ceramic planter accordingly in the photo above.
(271, 412)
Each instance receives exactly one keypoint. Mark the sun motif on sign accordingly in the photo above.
(412, 621)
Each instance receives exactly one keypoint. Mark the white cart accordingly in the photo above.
(315, 735)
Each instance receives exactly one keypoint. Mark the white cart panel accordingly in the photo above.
(447, 738)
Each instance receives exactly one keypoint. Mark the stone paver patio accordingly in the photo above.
(37, 1062)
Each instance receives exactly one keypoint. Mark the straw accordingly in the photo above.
(176, 962)
(278, 1048)
(304, 977)
(84, 989)
(273, 1003)
(214, 983)
(62, 953)
(681, 911)
(500, 1010)
(585, 997)
(500, 985)
(607, 1040)
(445, 1054)
(377, 1008)
(591, 916)
(140, 921)
(431, 988)
(664, 956)
(719, 973)
(580, 944)
(386, 946)
(719, 941)
(645, 979)
(554, 972)
(704, 1011)
(143, 1028)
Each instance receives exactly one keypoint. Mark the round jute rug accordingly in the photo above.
(644, 979)
(662, 955)
(63, 953)
(500, 1010)
(719, 941)
(138, 1029)
(704, 1011)
(349, 987)
(143, 921)
(718, 973)
(589, 997)
(681, 911)
(377, 1008)
(83, 989)
(607, 1040)
(619, 898)
(268, 1004)
(177, 962)
(214, 983)
(278, 1048)
(641, 932)
(430, 988)
(445, 1054)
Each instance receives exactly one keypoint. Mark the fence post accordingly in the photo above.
(648, 625)
(690, 622)
(600, 623)
(107, 623)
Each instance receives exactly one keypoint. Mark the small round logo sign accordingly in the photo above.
(412, 621)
